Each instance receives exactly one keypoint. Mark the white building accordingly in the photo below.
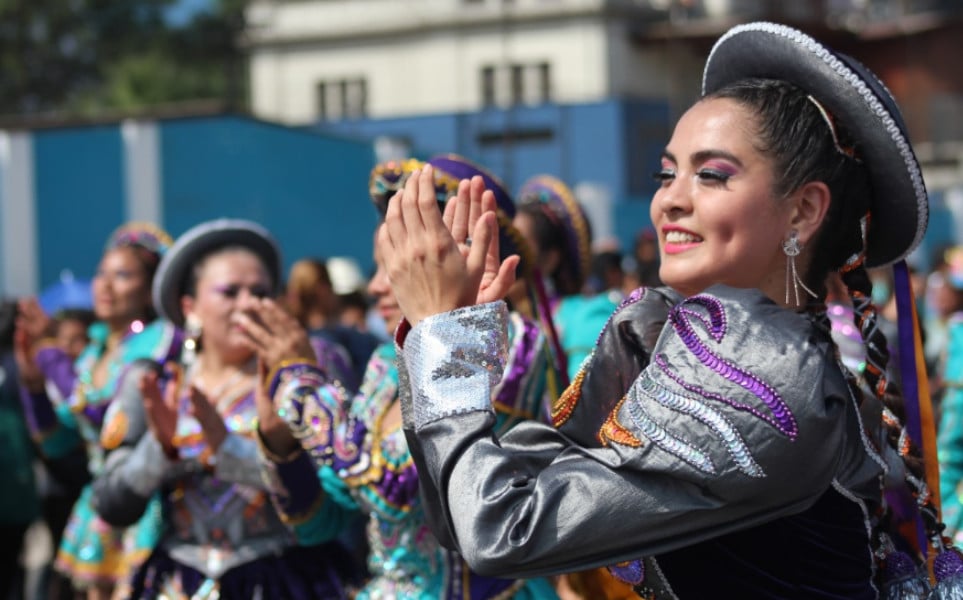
(330, 59)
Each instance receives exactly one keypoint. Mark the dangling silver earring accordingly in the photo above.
(792, 247)
(192, 339)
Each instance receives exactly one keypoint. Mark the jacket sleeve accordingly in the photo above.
(310, 498)
(136, 465)
(623, 349)
(738, 418)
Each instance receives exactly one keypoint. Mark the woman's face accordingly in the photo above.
(385, 302)
(120, 287)
(227, 284)
(715, 214)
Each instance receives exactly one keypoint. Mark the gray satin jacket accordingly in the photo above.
(217, 515)
(694, 419)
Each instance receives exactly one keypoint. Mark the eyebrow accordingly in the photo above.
(704, 155)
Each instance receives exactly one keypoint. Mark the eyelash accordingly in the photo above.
(233, 292)
(664, 176)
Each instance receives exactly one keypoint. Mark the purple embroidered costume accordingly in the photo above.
(364, 466)
(222, 537)
(721, 422)
(92, 551)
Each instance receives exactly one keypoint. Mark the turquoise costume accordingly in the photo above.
(949, 440)
(92, 552)
(365, 467)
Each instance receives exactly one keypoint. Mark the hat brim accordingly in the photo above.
(860, 102)
(174, 271)
(460, 167)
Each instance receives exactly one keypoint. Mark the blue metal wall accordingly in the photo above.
(79, 183)
(308, 189)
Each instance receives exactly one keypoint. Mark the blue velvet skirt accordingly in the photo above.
(322, 572)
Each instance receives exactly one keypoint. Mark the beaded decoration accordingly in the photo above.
(140, 234)
(389, 177)
(559, 204)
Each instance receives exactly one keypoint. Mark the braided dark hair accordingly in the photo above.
(550, 235)
(792, 130)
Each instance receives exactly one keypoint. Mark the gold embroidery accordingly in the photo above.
(613, 431)
(114, 431)
(563, 407)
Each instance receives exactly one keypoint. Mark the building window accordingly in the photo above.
(516, 84)
(342, 99)
(488, 86)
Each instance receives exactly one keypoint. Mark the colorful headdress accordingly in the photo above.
(510, 239)
(561, 207)
(174, 272)
(389, 177)
(140, 234)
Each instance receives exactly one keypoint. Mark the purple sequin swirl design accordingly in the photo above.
(399, 487)
(681, 318)
(632, 572)
(948, 564)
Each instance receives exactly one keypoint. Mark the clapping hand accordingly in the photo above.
(273, 334)
(161, 409)
(433, 264)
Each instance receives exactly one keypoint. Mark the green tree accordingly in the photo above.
(83, 57)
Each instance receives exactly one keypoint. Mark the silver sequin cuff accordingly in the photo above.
(450, 363)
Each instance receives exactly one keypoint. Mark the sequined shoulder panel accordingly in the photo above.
(693, 379)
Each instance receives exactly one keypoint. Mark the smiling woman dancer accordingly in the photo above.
(713, 444)
(93, 554)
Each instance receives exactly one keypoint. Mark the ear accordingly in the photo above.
(810, 205)
(187, 305)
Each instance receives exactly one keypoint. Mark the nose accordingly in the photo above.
(379, 286)
(672, 197)
(245, 298)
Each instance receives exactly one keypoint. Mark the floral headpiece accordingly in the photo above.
(139, 234)
(389, 177)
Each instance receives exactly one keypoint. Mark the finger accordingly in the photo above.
(448, 215)
(482, 236)
(477, 191)
(490, 205)
(172, 389)
(414, 227)
(258, 336)
(148, 385)
(459, 227)
(394, 224)
(201, 406)
(498, 287)
(428, 207)
(277, 319)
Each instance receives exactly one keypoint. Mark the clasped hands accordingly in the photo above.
(433, 265)
(274, 337)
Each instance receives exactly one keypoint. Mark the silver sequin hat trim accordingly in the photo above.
(863, 106)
